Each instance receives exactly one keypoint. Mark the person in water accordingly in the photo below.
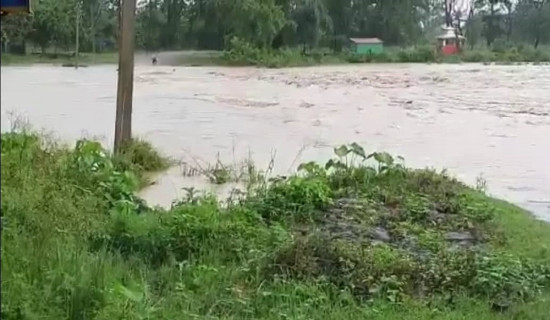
(154, 59)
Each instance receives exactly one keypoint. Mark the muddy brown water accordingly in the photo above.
(474, 120)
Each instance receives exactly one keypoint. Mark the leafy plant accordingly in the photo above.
(91, 161)
(296, 198)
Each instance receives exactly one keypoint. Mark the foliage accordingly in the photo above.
(52, 23)
(501, 52)
(139, 156)
(276, 31)
(244, 53)
(422, 207)
(15, 29)
(533, 21)
(76, 244)
(297, 198)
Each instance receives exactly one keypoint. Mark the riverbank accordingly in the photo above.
(60, 59)
(243, 55)
(170, 58)
(358, 237)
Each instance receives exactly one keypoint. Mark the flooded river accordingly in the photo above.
(474, 120)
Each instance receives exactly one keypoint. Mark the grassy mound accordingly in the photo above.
(362, 237)
(139, 157)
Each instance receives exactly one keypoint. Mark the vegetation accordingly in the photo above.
(362, 237)
(242, 53)
(62, 59)
(285, 32)
(139, 157)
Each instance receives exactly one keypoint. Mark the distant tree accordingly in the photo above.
(53, 23)
(533, 20)
(473, 31)
(150, 25)
(15, 30)
(311, 21)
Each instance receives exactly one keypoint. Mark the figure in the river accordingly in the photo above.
(154, 59)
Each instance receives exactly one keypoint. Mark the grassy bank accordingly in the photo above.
(361, 237)
(242, 53)
(295, 58)
(61, 59)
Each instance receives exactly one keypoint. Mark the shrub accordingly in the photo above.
(297, 198)
(477, 56)
(140, 156)
(188, 231)
(500, 46)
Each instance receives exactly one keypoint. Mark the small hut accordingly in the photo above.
(367, 45)
(450, 42)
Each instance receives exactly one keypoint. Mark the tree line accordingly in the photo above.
(211, 24)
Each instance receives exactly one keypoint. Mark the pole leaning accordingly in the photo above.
(125, 86)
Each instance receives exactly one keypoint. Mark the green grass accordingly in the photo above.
(242, 53)
(63, 59)
(78, 244)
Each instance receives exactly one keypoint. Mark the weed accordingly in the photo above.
(220, 174)
(242, 172)
(481, 184)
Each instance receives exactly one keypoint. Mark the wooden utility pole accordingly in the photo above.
(123, 123)
(77, 41)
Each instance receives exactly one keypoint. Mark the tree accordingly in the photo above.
(310, 19)
(474, 29)
(209, 24)
(173, 12)
(533, 20)
(95, 17)
(493, 19)
(257, 22)
(53, 22)
(15, 30)
(509, 5)
(150, 25)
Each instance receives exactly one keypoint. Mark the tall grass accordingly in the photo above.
(78, 244)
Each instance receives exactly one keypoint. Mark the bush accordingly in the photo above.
(478, 56)
(140, 156)
(503, 53)
(418, 54)
(241, 52)
(500, 46)
(188, 231)
(297, 198)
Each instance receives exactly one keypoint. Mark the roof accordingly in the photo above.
(449, 36)
(366, 40)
